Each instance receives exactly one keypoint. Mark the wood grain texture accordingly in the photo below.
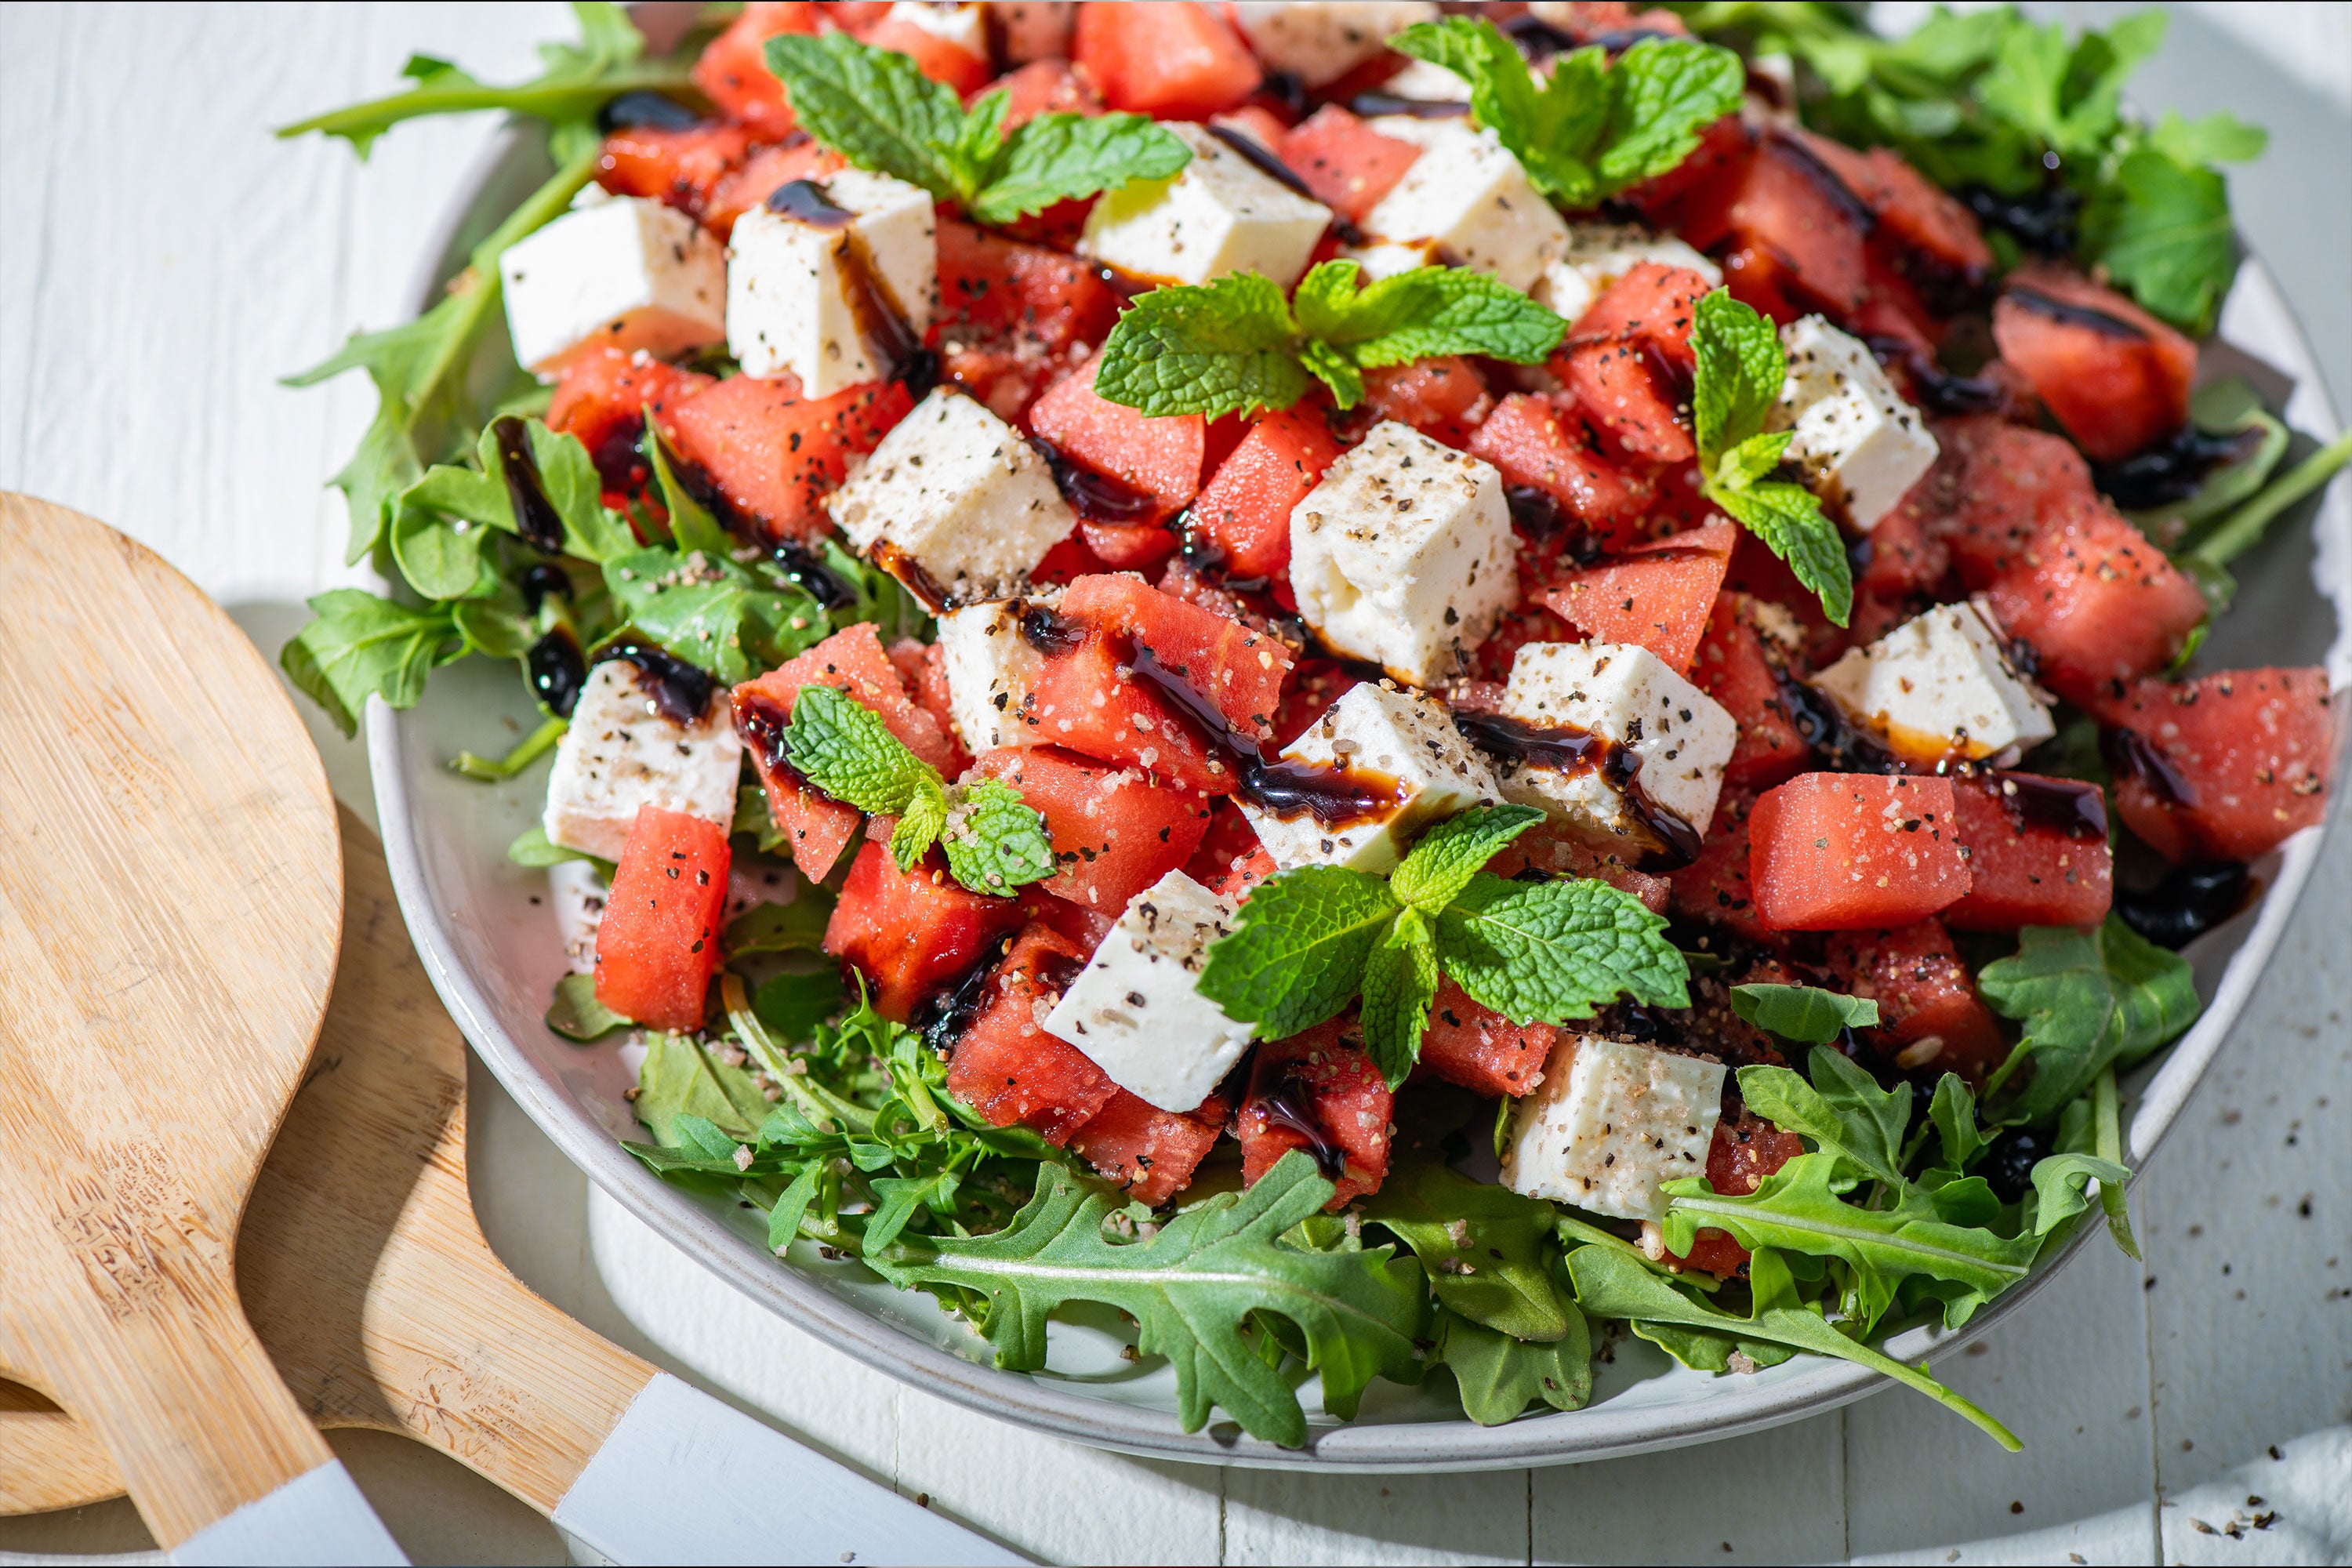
(171, 896)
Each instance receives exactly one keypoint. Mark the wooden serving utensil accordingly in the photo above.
(171, 899)
(368, 1277)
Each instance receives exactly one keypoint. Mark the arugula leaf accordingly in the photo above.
(1400, 986)
(2090, 1000)
(2069, 97)
(713, 612)
(796, 927)
(1804, 1013)
(1189, 1289)
(531, 848)
(2107, 1133)
(524, 752)
(1551, 952)
(691, 525)
(1484, 1247)
(1441, 865)
(1299, 949)
(2058, 1183)
(1499, 1376)
(445, 561)
(576, 1014)
(361, 646)
(681, 1077)
(2217, 138)
(1842, 1110)
(1953, 1111)
(794, 1004)
(993, 841)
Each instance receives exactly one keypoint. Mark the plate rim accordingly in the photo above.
(1044, 1405)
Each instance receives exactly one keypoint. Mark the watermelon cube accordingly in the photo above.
(1159, 459)
(2114, 376)
(1845, 851)
(1659, 596)
(1745, 1150)
(1733, 666)
(1171, 62)
(2097, 603)
(1115, 831)
(1345, 163)
(1235, 666)
(1150, 1151)
(774, 456)
(1243, 514)
(657, 945)
(1472, 1045)
(2226, 767)
(2037, 853)
(1929, 1017)
(1534, 448)
(1008, 1069)
(1319, 1092)
(913, 935)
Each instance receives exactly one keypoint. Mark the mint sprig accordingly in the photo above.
(1312, 939)
(1236, 345)
(1594, 127)
(877, 109)
(1741, 369)
(994, 843)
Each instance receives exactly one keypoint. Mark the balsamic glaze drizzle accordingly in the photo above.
(650, 110)
(890, 340)
(2077, 809)
(2071, 314)
(556, 671)
(679, 690)
(2173, 469)
(2128, 753)
(535, 516)
(540, 579)
(805, 202)
(2190, 902)
(1369, 105)
(1567, 749)
(1095, 497)
(764, 724)
(947, 1013)
(1285, 1098)
(2043, 222)
(805, 570)
(1940, 391)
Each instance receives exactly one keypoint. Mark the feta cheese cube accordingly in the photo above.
(1467, 201)
(798, 293)
(1611, 1123)
(626, 274)
(1940, 686)
(954, 494)
(1402, 735)
(1404, 554)
(1861, 446)
(1626, 696)
(1425, 82)
(621, 751)
(965, 27)
(1217, 215)
(1137, 1011)
(991, 669)
(1601, 253)
(1322, 40)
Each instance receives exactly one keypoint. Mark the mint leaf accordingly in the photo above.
(1400, 984)
(2217, 138)
(1789, 520)
(1422, 314)
(1499, 1376)
(877, 109)
(713, 612)
(1299, 949)
(920, 821)
(995, 841)
(843, 748)
(361, 646)
(1804, 1013)
(576, 1014)
(1218, 348)
(1485, 1247)
(2090, 1000)
(1189, 1289)
(1551, 952)
(1440, 865)
(1662, 93)
(1752, 459)
(1060, 157)
(1842, 1110)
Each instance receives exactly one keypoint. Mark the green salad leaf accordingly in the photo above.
(361, 646)
(576, 1014)
(1486, 1250)
(2090, 1000)
(1804, 1013)
(1498, 1375)
(712, 611)
(1844, 1111)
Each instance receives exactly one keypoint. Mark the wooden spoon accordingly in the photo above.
(368, 1279)
(171, 899)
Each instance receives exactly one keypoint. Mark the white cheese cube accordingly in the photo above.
(1402, 735)
(1601, 253)
(1940, 686)
(1608, 1127)
(1034, 30)
(1137, 1011)
(621, 751)
(991, 669)
(965, 27)
(1218, 214)
(1861, 446)
(1404, 554)
(626, 274)
(1468, 200)
(797, 299)
(1425, 83)
(1321, 41)
(956, 495)
(1629, 698)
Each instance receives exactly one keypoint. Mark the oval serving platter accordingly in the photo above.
(490, 942)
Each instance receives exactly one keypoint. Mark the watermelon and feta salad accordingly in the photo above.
(1394, 686)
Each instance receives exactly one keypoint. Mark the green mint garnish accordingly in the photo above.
(877, 109)
(1594, 127)
(1236, 345)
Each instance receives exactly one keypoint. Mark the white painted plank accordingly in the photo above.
(319, 1516)
(1772, 1497)
(36, 57)
(1272, 1516)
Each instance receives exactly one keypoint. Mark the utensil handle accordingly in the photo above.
(685, 1479)
(317, 1516)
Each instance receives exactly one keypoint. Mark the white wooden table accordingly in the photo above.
(161, 262)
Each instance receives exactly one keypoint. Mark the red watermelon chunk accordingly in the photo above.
(1046, 87)
(2226, 767)
(1171, 62)
(602, 398)
(2097, 603)
(1733, 666)
(1089, 701)
(1321, 1078)
(991, 286)
(1243, 512)
(1843, 851)
(2114, 376)
(774, 456)
(2037, 853)
(1344, 163)
(1160, 457)
(1238, 668)
(1006, 1067)
(1745, 1150)
(1150, 1151)
(1445, 398)
(1925, 995)
(912, 934)
(657, 945)
(1715, 889)
(679, 166)
(1694, 198)
(1115, 831)
(1530, 444)
(1474, 1046)
(1659, 596)
(1930, 231)
(1992, 487)
(1628, 361)
(1793, 208)
(733, 71)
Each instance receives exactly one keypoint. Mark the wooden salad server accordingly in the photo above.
(171, 900)
(367, 1276)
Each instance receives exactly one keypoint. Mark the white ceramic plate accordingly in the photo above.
(488, 934)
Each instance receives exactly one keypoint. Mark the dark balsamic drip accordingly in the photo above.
(681, 691)
(763, 726)
(2043, 222)
(1644, 1024)
(1334, 796)
(557, 671)
(1619, 39)
(1675, 381)
(1825, 179)
(2190, 902)
(1539, 39)
(1566, 749)
(2173, 469)
(1049, 631)
(804, 201)
(910, 574)
(535, 516)
(1536, 513)
(2062, 806)
(2008, 1164)
(2129, 752)
(650, 110)
(2073, 315)
(1371, 105)
(806, 571)
(1286, 1099)
(891, 341)
(1823, 726)
(1097, 497)
(947, 1013)
(540, 579)
(1210, 562)
(1285, 91)
(1940, 391)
